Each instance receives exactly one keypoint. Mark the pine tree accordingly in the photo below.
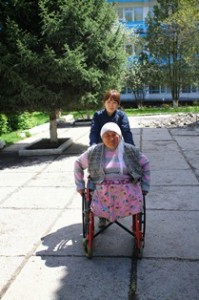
(56, 54)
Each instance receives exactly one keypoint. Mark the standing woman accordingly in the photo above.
(120, 173)
(110, 113)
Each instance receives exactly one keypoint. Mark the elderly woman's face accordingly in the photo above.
(111, 139)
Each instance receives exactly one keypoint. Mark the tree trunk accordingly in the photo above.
(175, 95)
(175, 103)
(53, 127)
(139, 98)
(88, 115)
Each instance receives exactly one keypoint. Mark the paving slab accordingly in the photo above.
(197, 173)
(114, 242)
(173, 160)
(55, 179)
(187, 131)
(167, 279)
(62, 163)
(172, 234)
(174, 177)
(188, 142)
(173, 198)
(65, 236)
(72, 278)
(6, 191)
(79, 133)
(159, 146)
(22, 164)
(40, 198)
(9, 269)
(136, 132)
(193, 158)
(14, 179)
(21, 229)
(76, 149)
(156, 134)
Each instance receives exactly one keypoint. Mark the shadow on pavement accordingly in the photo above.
(80, 277)
(14, 161)
(66, 241)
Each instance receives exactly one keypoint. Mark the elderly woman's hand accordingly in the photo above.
(144, 193)
(81, 192)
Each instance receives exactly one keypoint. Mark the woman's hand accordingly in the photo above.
(144, 193)
(81, 192)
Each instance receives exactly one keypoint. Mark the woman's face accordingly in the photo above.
(111, 106)
(111, 139)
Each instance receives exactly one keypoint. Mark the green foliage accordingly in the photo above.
(171, 42)
(13, 122)
(56, 53)
(11, 138)
(19, 121)
(3, 124)
(37, 118)
(138, 75)
(21, 124)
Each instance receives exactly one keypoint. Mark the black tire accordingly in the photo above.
(87, 249)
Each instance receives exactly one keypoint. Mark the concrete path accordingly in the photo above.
(41, 253)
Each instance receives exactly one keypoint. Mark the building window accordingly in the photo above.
(138, 14)
(129, 14)
(157, 89)
(163, 89)
(194, 89)
(154, 89)
(186, 89)
(129, 90)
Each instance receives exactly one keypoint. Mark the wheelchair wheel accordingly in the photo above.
(88, 240)
(139, 227)
(88, 225)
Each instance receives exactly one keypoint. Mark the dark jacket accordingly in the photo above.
(101, 117)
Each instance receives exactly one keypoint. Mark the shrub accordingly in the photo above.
(3, 124)
(21, 121)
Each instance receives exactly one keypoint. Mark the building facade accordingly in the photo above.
(132, 14)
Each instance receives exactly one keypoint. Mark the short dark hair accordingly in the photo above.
(112, 94)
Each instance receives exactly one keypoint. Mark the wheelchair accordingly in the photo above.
(137, 230)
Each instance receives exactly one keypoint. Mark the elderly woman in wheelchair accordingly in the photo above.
(119, 172)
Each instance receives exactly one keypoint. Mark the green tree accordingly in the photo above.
(139, 68)
(169, 41)
(139, 75)
(187, 18)
(57, 54)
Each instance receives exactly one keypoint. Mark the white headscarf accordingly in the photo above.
(111, 126)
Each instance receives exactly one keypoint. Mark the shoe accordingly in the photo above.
(102, 222)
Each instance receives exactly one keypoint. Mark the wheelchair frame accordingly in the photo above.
(89, 234)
